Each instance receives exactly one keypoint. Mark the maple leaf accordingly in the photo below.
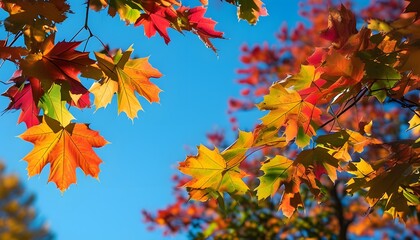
(384, 78)
(380, 71)
(65, 149)
(210, 171)
(235, 153)
(249, 10)
(337, 145)
(359, 142)
(397, 205)
(288, 109)
(11, 53)
(60, 62)
(268, 136)
(303, 79)
(339, 65)
(156, 20)
(280, 171)
(393, 180)
(78, 94)
(24, 99)
(409, 61)
(362, 172)
(125, 76)
(277, 171)
(129, 11)
(321, 160)
(333, 140)
(54, 105)
(34, 18)
(387, 183)
(200, 25)
(26, 12)
(291, 199)
(379, 25)
(341, 25)
(214, 173)
(414, 123)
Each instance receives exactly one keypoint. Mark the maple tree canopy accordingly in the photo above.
(325, 108)
(315, 125)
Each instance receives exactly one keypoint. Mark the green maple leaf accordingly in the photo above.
(277, 171)
(54, 105)
(303, 79)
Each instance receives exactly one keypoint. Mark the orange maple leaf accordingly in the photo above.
(65, 149)
(288, 109)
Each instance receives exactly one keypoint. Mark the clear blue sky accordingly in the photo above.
(142, 156)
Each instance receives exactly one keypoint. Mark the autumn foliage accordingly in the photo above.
(337, 151)
(46, 86)
(340, 100)
(368, 68)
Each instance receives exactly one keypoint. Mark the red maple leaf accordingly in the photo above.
(200, 25)
(26, 99)
(56, 62)
(79, 95)
(156, 20)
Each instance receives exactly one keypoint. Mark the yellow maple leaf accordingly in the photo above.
(209, 171)
(214, 171)
(415, 123)
(125, 76)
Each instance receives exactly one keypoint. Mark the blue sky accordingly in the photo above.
(142, 155)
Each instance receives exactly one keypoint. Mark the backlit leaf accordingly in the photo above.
(359, 142)
(156, 21)
(362, 172)
(209, 171)
(125, 76)
(384, 78)
(288, 109)
(25, 100)
(414, 123)
(277, 171)
(60, 62)
(129, 11)
(200, 25)
(55, 107)
(235, 153)
(65, 149)
(249, 10)
(303, 79)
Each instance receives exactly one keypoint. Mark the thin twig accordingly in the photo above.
(356, 100)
